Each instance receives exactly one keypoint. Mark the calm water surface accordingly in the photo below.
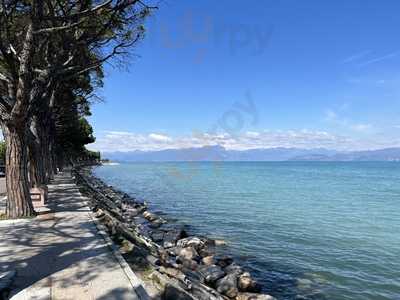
(306, 230)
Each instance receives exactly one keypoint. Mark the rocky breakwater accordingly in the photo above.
(173, 264)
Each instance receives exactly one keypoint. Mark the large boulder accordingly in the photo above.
(211, 274)
(252, 296)
(209, 260)
(174, 251)
(188, 264)
(206, 251)
(189, 253)
(228, 286)
(234, 269)
(150, 216)
(224, 261)
(248, 284)
(194, 242)
(172, 236)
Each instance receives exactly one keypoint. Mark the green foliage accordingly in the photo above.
(93, 156)
(85, 131)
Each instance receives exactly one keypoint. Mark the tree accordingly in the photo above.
(41, 44)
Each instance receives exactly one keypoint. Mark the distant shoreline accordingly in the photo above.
(220, 154)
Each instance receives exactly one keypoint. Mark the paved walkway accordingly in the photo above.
(61, 255)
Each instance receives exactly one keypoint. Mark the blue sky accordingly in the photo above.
(258, 74)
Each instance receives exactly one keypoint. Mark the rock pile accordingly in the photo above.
(181, 266)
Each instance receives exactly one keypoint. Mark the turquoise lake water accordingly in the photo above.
(307, 230)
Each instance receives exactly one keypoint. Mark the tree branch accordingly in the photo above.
(81, 14)
(60, 28)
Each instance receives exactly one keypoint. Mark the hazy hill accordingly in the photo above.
(218, 153)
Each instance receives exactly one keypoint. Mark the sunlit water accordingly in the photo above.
(307, 230)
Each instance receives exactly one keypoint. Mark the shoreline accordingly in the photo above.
(197, 265)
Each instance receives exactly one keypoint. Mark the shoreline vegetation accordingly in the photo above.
(172, 263)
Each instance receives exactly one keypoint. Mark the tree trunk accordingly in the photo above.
(41, 156)
(36, 160)
(47, 150)
(19, 203)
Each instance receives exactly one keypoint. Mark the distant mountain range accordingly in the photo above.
(219, 153)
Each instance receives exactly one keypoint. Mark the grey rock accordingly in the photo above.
(192, 275)
(209, 260)
(202, 292)
(194, 242)
(188, 264)
(189, 253)
(172, 236)
(211, 273)
(228, 286)
(150, 216)
(174, 251)
(224, 261)
(206, 251)
(248, 284)
(234, 269)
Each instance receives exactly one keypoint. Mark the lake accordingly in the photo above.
(306, 230)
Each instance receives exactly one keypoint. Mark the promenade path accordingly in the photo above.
(61, 254)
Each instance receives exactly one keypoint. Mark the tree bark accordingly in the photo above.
(19, 202)
(44, 129)
(37, 166)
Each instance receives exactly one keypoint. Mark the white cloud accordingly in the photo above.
(124, 141)
(159, 137)
(252, 134)
(361, 127)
